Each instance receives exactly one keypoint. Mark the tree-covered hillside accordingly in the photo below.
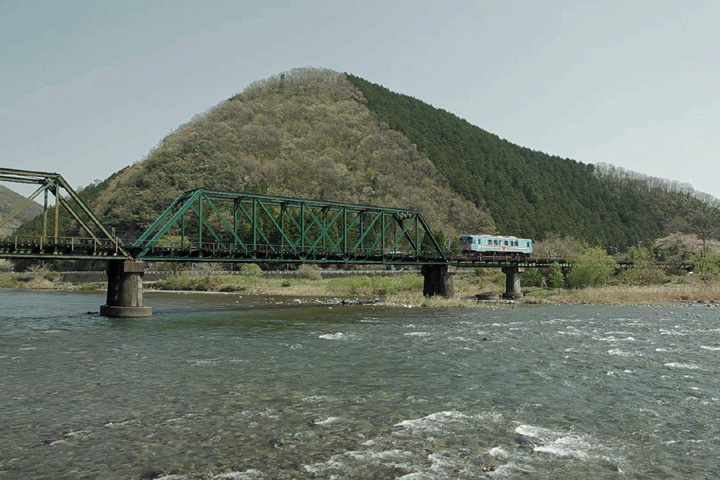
(529, 193)
(306, 133)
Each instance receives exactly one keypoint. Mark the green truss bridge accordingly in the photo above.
(212, 226)
(230, 227)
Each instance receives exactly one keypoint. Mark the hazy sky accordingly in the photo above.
(90, 87)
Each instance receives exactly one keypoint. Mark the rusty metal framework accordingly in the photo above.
(96, 240)
(207, 225)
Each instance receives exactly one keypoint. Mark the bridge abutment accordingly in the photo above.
(512, 283)
(438, 281)
(125, 290)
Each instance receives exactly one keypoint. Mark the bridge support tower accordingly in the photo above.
(512, 283)
(125, 290)
(438, 281)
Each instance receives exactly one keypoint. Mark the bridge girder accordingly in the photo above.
(208, 225)
(100, 242)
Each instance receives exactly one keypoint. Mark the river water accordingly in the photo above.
(240, 387)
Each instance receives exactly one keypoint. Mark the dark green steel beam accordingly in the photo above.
(290, 229)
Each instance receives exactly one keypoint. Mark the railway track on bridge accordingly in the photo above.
(212, 226)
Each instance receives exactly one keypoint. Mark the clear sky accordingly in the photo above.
(89, 87)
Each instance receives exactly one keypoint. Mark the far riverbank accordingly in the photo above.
(401, 289)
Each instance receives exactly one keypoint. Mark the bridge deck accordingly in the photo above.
(62, 248)
(500, 261)
(72, 248)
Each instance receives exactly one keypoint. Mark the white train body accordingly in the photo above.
(495, 244)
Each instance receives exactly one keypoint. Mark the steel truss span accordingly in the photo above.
(57, 195)
(207, 225)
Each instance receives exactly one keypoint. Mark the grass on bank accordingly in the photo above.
(401, 289)
(356, 285)
(39, 277)
(641, 295)
(407, 289)
(9, 280)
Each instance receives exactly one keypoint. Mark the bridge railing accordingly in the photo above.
(27, 243)
(176, 250)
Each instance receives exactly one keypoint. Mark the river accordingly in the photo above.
(247, 387)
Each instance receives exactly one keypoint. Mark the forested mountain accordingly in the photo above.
(320, 134)
(9, 200)
(530, 193)
(304, 134)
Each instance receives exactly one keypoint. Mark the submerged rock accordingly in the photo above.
(525, 443)
(152, 473)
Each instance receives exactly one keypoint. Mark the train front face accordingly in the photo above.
(467, 244)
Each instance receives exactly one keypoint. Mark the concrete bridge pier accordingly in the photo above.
(438, 281)
(125, 290)
(512, 283)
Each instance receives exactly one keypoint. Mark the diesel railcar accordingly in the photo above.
(481, 244)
